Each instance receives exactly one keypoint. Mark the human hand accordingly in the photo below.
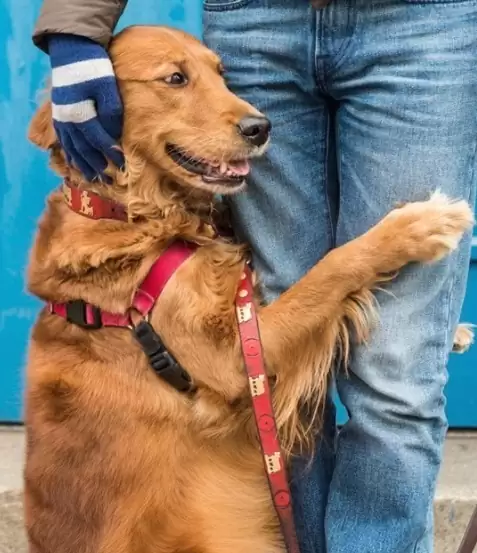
(87, 107)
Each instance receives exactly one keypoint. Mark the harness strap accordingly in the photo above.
(159, 274)
(274, 461)
(90, 317)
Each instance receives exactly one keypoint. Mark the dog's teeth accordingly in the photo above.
(223, 168)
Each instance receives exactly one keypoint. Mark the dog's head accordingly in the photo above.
(180, 120)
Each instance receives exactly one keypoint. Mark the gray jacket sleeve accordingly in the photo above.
(94, 19)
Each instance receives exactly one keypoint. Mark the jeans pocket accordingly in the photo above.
(223, 5)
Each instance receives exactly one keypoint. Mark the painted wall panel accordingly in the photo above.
(24, 178)
(25, 182)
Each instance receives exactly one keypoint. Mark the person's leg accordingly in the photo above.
(285, 215)
(407, 125)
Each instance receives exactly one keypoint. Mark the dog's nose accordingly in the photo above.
(255, 130)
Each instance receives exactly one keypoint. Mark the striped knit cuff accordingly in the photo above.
(82, 71)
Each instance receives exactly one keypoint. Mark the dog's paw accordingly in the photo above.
(463, 338)
(428, 231)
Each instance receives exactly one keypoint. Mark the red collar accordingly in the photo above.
(92, 205)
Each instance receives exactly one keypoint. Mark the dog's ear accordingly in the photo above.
(41, 131)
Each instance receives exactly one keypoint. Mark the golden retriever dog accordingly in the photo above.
(118, 461)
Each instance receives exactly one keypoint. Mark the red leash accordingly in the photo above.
(469, 541)
(274, 461)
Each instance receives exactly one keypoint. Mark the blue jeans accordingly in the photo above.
(373, 102)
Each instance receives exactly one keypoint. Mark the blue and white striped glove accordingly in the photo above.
(87, 107)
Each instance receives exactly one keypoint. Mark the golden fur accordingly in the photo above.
(117, 461)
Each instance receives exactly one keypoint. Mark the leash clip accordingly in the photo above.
(162, 362)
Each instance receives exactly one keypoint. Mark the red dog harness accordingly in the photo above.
(91, 317)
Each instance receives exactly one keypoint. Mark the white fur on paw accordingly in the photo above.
(457, 217)
(463, 339)
(434, 227)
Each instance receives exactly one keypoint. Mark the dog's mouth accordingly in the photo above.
(230, 173)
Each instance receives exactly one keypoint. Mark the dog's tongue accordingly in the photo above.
(235, 168)
(240, 167)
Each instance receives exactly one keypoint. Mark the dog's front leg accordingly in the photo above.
(301, 330)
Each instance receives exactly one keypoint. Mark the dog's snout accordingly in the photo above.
(255, 130)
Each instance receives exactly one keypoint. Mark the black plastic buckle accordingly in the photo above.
(161, 360)
(76, 313)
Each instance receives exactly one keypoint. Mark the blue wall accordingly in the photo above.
(462, 387)
(25, 181)
(24, 178)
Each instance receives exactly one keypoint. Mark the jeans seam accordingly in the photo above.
(325, 180)
(441, 360)
(317, 34)
(449, 298)
(468, 198)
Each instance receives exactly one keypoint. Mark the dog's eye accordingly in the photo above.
(176, 79)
